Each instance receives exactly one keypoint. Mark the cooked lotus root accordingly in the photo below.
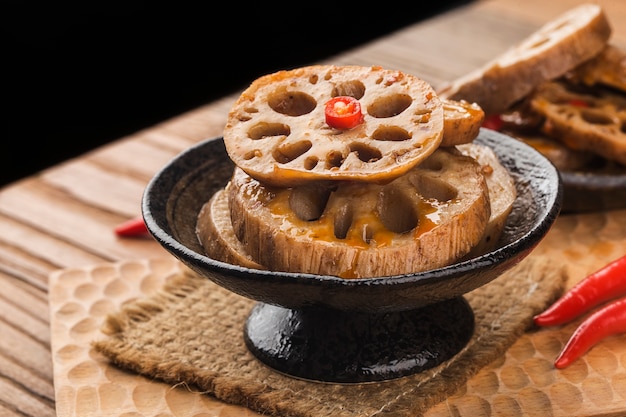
(550, 52)
(276, 130)
(425, 219)
(594, 122)
(215, 233)
(461, 122)
(608, 68)
(502, 194)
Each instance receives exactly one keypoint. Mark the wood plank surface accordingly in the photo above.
(63, 217)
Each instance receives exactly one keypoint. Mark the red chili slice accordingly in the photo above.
(343, 112)
(578, 103)
(493, 122)
(134, 227)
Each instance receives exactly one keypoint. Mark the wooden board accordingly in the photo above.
(85, 383)
(521, 382)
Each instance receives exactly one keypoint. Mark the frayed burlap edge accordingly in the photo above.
(192, 333)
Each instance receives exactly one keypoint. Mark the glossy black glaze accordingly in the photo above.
(175, 195)
(351, 330)
(350, 347)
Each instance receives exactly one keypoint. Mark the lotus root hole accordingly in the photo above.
(247, 113)
(255, 153)
(391, 134)
(343, 221)
(251, 110)
(354, 89)
(397, 211)
(288, 152)
(389, 106)
(334, 159)
(309, 201)
(422, 116)
(367, 233)
(263, 130)
(434, 188)
(539, 43)
(291, 103)
(365, 153)
(595, 117)
(310, 163)
(561, 25)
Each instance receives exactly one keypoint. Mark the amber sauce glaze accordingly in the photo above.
(366, 231)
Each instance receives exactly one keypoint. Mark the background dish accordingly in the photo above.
(593, 191)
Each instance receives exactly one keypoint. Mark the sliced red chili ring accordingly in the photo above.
(343, 112)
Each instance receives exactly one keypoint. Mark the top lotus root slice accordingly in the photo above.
(277, 133)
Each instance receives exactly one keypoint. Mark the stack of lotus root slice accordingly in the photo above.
(354, 172)
(561, 90)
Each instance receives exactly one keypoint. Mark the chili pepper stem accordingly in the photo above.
(608, 321)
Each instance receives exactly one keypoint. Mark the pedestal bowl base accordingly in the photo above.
(337, 346)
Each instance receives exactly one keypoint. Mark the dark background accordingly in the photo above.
(81, 75)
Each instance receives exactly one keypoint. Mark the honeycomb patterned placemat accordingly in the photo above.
(85, 383)
(190, 334)
(521, 382)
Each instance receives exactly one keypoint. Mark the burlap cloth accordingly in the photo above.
(192, 333)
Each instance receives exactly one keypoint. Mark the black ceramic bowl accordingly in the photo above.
(175, 195)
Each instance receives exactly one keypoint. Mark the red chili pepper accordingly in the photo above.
(132, 228)
(607, 283)
(607, 321)
(578, 103)
(493, 122)
(343, 112)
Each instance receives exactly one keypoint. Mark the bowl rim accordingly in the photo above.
(497, 140)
